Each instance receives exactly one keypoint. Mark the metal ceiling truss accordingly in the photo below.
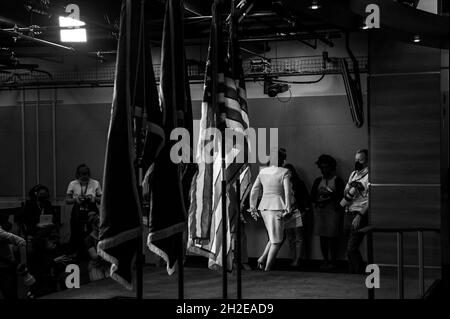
(280, 67)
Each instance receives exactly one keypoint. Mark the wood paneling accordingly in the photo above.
(404, 126)
(405, 206)
(405, 131)
(397, 57)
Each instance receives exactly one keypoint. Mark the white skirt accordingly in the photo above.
(274, 225)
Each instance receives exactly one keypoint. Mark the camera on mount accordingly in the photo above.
(273, 89)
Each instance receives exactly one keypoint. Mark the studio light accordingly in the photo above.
(314, 5)
(75, 35)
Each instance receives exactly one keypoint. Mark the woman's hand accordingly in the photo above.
(287, 214)
(254, 212)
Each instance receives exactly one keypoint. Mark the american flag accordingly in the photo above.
(205, 213)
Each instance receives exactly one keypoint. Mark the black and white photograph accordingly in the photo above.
(224, 158)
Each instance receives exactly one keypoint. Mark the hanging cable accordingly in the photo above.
(285, 101)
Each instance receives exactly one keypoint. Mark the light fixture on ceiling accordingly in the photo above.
(314, 5)
(417, 38)
(76, 34)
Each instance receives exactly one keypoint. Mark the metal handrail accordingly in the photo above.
(377, 229)
(369, 230)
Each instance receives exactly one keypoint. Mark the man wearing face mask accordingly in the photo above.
(356, 204)
(84, 193)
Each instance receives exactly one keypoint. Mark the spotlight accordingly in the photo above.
(417, 38)
(314, 5)
(75, 35)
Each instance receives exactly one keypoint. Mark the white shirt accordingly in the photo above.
(93, 188)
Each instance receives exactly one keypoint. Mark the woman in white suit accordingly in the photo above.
(275, 204)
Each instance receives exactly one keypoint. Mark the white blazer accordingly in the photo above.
(276, 188)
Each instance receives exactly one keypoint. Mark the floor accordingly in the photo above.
(201, 283)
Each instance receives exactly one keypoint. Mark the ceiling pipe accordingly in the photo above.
(206, 17)
(19, 35)
(9, 21)
(285, 15)
(37, 29)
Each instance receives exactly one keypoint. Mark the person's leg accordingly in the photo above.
(263, 259)
(324, 248)
(273, 251)
(267, 217)
(301, 242)
(244, 252)
(299, 246)
(354, 256)
(290, 235)
(334, 248)
(353, 253)
(347, 230)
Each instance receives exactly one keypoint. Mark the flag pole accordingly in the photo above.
(140, 248)
(233, 57)
(238, 241)
(176, 59)
(139, 146)
(215, 89)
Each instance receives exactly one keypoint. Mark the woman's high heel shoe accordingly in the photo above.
(260, 265)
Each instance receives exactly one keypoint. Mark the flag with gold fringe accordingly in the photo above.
(134, 139)
(168, 207)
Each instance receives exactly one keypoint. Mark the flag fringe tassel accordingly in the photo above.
(163, 234)
(113, 242)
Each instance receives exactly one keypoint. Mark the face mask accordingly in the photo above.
(358, 166)
(42, 198)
